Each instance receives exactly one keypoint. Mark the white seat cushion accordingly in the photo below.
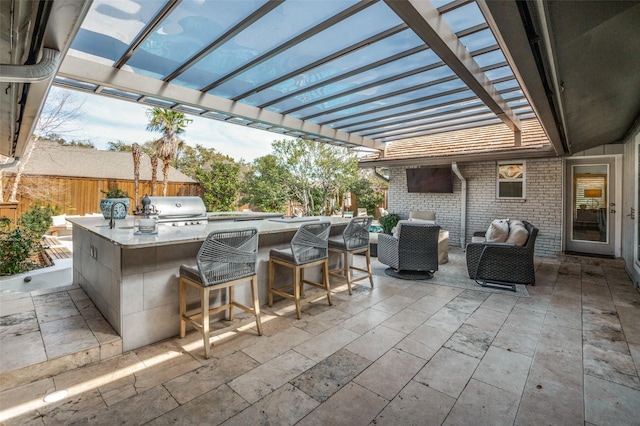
(422, 215)
(427, 221)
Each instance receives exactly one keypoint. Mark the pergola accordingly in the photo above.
(351, 73)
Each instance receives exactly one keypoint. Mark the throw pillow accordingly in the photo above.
(515, 222)
(498, 231)
(414, 214)
(396, 230)
(518, 234)
(428, 222)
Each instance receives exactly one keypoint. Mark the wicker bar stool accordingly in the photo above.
(309, 247)
(354, 239)
(225, 259)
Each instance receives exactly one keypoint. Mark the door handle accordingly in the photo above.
(612, 211)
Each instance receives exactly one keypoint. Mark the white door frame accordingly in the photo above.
(636, 202)
(615, 197)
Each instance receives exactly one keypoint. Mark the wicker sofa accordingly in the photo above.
(503, 265)
(414, 249)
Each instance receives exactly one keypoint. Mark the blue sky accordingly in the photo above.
(105, 119)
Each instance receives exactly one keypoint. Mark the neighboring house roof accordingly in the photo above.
(480, 143)
(53, 159)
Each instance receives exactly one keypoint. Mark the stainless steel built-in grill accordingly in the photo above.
(180, 211)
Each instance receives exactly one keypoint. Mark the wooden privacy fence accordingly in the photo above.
(80, 196)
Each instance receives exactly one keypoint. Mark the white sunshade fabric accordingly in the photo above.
(352, 73)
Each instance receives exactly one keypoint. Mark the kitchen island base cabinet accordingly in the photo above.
(135, 286)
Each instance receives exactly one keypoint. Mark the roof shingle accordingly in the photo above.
(494, 139)
(53, 159)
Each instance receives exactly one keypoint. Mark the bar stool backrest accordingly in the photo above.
(356, 234)
(228, 255)
(311, 242)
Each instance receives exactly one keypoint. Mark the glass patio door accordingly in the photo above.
(590, 210)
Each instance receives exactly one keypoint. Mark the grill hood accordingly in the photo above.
(179, 208)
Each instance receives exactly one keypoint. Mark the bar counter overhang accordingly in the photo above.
(133, 279)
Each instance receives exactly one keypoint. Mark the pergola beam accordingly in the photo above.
(82, 70)
(425, 20)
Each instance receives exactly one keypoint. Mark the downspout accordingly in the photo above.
(14, 163)
(41, 71)
(463, 204)
(13, 74)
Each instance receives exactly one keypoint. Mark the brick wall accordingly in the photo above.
(542, 206)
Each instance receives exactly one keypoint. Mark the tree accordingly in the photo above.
(149, 147)
(217, 173)
(265, 184)
(135, 152)
(296, 158)
(316, 172)
(221, 185)
(194, 159)
(337, 172)
(154, 173)
(80, 144)
(171, 124)
(367, 192)
(119, 146)
(61, 108)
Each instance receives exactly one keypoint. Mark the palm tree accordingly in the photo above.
(154, 173)
(171, 124)
(135, 151)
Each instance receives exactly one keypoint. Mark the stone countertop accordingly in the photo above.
(241, 216)
(123, 232)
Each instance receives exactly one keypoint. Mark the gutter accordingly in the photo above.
(537, 151)
(381, 176)
(463, 204)
(14, 163)
(43, 70)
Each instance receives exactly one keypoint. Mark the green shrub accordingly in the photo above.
(5, 223)
(114, 192)
(38, 218)
(17, 246)
(388, 222)
(368, 197)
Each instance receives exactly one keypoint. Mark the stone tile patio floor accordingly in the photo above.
(404, 352)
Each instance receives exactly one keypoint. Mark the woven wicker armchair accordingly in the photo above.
(503, 265)
(415, 248)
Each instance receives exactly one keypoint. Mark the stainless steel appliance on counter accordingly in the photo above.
(180, 211)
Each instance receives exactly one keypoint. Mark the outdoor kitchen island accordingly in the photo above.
(133, 279)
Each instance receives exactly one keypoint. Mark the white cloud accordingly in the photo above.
(107, 120)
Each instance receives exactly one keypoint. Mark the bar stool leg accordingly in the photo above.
(271, 274)
(230, 301)
(256, 303)
(183, 307)
(347, 270)
(325, 278)
(297, 283)
(204, 293)
(368, 254)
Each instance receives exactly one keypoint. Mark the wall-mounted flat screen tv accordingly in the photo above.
(430, 179)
